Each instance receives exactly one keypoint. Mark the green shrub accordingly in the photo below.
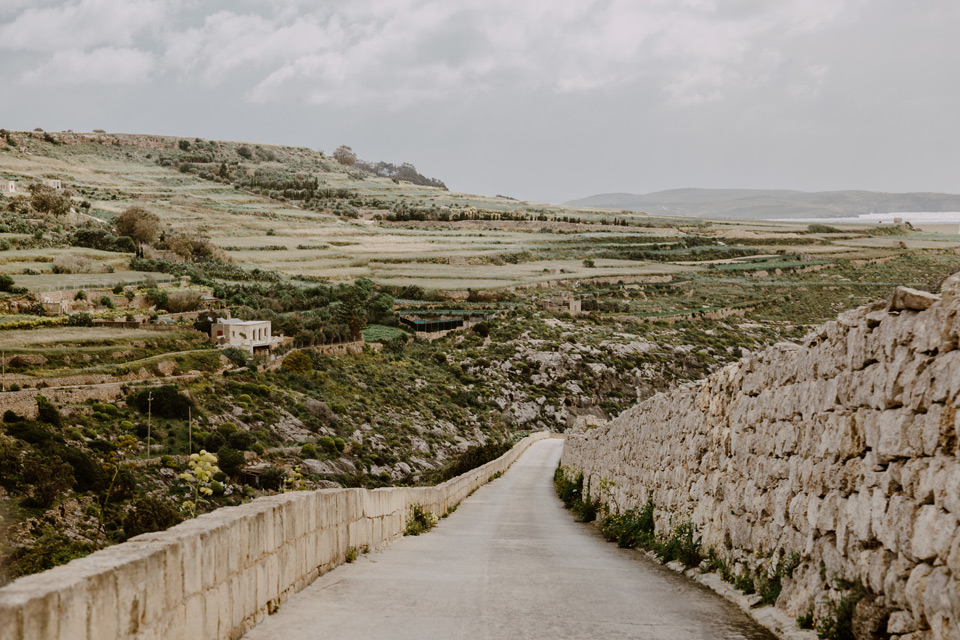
(107, 301)
(47, 412)
(166, 402)
(419, 521)
(241, 440)
(328, 444)
(214, 441)
(631, 529)
(308, 451)
(258, 449)
(149, 514)
(272, 478)
(230, 461)
(168, 462)
(82, 319)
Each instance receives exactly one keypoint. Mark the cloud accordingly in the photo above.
(406, 51)
(403, 52)
(103, 66)
(81, 24)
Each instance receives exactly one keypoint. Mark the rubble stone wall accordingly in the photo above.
(217, 575)
(843, 449)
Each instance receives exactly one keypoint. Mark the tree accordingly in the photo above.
(47, 200)
(6, 282)
(139, 224)
(352, 311)
(345, 156)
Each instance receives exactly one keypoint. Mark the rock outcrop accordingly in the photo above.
(843, 450)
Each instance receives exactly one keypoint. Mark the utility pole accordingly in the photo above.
(149, 415)
(3, 377)
(190, 429)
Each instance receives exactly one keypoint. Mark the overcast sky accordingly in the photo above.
(537, 99)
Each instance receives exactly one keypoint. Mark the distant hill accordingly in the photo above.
(770, 203)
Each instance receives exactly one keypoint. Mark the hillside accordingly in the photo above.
(108, 287)
(769, 204)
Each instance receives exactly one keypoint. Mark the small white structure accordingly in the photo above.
(9, 187)
(249, 335)
(53, 184)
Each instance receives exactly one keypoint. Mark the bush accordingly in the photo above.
(230, 461)
(272, 478)
(297, 362)
(48, 413)
(6, 282)
(472, 458)
(214, 441)
(241, 440)
(81, 319)
(167, 402)
(149, 514)
(631, 529)
(308, 451)
(327, 444)
(419, 521)
(107, 301)
(258, 449)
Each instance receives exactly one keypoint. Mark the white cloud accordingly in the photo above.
(80, 24)
(103, 66)
(406, 51)
(400, 52)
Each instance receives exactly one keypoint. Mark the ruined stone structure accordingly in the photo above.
(843, 450)
(217, 575)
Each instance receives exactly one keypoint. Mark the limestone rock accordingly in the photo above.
(907, 299)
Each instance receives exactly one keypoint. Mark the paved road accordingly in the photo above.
(510, 563)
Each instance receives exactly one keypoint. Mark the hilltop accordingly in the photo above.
(769, 203)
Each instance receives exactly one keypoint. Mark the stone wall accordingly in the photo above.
(842, 449)
(219, 574)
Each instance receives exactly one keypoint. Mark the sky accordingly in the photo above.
(544, 100)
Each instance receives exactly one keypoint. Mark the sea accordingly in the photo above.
(942, 221)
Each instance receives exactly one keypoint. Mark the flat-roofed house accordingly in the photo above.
(249, 335)
(9, 187)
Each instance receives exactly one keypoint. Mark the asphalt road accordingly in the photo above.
(509, 563)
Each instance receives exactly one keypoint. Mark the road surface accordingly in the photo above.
(509, 563)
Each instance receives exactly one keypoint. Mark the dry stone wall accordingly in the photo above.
(842, 449)
(219, 574)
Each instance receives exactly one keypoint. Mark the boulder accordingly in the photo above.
(907, 299)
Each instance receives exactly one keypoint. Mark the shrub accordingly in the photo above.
(168, 462)
(297, 362)
(47, 412)
(67, 263)
(258, 449)
(272, 478)
(419, 521)
(241, 440)
(214, 441)
(167, 402)
(327, 444)
(631, 529)
(230, 461)
(6, 282)
(82, 319)
(149, 514)
(308, 451)
(107, 301)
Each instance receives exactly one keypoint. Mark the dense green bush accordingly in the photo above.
(272, 478)
(150, 514)
(167, 402)
(230, 461)
(48, 413)
(472, 458)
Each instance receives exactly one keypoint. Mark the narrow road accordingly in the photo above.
(510, 563)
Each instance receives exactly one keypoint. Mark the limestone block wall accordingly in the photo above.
(219, 574)
(842, 449)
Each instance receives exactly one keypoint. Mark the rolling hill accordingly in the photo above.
(770, 203)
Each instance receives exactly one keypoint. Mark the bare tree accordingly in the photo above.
(345, 156)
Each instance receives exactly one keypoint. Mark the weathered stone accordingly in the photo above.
(844, 450)
(907, 299)
(870, 619)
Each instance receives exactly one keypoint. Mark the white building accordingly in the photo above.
(249, 335)
(9, 187)
(53, 184)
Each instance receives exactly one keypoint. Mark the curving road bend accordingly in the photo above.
(509, 563)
